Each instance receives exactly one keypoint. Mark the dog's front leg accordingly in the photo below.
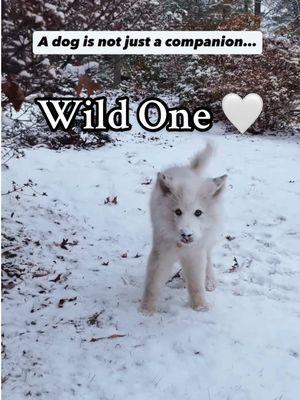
(194, 266)
(158, 269)
(211, 282)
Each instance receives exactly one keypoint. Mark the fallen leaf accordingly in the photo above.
(40, 273)
(114, 336)
(111, 200)
(93, 320)
(235, 266)
(63, 301)
(64, 243)
(56, 279)
(9, 285)
(147, 182)
(229, 238)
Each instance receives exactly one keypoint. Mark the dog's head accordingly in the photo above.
(190, 202)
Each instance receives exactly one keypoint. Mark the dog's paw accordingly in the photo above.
(210, 284)
(147, 309)
(200, 306)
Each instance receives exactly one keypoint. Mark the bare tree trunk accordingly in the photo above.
(247, 4)
(257, 8)
(117, 70)
(225, 11)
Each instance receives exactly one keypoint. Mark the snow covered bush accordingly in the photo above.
(28, 128)
(27, 76)
(37, 73)
(273, 75)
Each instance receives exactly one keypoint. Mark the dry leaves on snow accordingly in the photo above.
(114, 336)
(111, 200)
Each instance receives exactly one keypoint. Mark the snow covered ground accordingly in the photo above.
(71, 326)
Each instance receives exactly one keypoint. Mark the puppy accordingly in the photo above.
(185, 209)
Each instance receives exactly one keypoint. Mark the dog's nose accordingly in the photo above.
(186, 236)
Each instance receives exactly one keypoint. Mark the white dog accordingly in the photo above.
(185, 208)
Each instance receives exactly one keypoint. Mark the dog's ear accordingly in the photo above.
(216, 185)
(164, 182)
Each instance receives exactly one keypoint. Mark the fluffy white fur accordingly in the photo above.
(183, 235)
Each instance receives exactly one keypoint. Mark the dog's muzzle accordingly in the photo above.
(186, 237)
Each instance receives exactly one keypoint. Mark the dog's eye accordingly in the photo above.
(197, 213)
(178, 211)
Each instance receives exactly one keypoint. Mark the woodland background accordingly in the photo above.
(76, 227)
(194, 80)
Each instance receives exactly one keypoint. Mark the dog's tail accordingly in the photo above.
(201, 159)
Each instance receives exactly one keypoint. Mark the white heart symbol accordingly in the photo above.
(242, 113)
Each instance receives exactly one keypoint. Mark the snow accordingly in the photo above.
(39, 19)
(25, 74)
(50, 6)
(247, 346)
(77, 70)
